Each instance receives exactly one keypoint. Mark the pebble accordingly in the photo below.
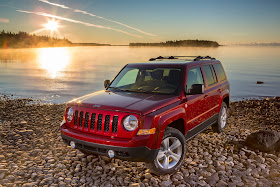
(166, 183)
(148, 175)
(35, 154)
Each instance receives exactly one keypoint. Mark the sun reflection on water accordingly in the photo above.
(54, 60)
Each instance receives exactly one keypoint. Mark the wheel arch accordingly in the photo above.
(226, 100)
(175, 119)
(178, 124)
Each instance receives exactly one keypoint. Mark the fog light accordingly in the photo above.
(111, 153)
(72, 144)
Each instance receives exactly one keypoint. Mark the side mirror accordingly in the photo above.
(196, 89)
(106, 83)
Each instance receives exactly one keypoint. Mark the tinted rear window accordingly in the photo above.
(210, 74)
(220, 72)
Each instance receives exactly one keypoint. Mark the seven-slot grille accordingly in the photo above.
(96, 122)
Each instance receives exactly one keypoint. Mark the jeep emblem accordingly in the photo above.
(96, 106)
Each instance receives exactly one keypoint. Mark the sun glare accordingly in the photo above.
(54, 60)
(51, 25)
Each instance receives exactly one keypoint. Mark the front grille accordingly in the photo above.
(96, 122)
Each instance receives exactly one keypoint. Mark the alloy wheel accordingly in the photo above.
(223, 117)
(170, 153)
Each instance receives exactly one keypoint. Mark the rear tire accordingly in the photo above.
(171, 154)
(222, 119)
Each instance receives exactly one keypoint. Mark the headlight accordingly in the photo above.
(130, 123)
(69, 115)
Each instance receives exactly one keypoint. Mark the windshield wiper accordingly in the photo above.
(115, 88)
(139, 91)
(128, 90)
(122, 90)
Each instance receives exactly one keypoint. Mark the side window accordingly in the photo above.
(210, 74)
(194, 77)
(220, 72)
(128, 78)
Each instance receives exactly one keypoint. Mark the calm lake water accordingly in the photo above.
(58, 75)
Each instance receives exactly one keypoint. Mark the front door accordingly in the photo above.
(195, 106)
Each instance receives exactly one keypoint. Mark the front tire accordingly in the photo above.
(222, 120)
(171, 155)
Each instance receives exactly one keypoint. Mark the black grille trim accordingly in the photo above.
(107, 123)
(99, 122)
(86, 120)
(76, 117)
(92, 121)
(81, 118)
(115, 124)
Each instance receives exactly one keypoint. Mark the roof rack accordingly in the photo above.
(197, 58)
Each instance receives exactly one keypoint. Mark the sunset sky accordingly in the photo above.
(125, 21)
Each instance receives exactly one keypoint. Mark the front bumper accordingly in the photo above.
(140, 154)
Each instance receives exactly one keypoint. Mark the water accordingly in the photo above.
(58, 75)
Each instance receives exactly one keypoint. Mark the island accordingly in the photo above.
(180, 43)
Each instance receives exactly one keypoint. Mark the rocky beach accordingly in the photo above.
(32, 152)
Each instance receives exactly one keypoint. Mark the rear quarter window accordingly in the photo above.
(220, 72)
(210, 74)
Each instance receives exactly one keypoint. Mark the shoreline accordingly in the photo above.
(36, 100)
(33, 153)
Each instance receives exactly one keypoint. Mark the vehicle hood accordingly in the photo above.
(141, 103)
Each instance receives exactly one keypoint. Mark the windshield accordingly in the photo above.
(148, 80)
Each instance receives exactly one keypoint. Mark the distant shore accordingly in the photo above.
(26, 40)
(180, 43)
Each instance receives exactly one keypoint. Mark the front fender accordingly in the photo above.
(164, 120)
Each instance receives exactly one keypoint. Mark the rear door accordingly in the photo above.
(212, 91)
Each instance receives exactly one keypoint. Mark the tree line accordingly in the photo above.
(181, 43)
(24, 39)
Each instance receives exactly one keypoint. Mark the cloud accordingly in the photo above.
(76, 21)
(54, 4)
(100, 17)
(4, 20)
(90, 14)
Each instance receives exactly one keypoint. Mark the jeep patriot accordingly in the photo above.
(149, 111)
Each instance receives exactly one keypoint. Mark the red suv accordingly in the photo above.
(149, 111)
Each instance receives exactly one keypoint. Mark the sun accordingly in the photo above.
(51, 25)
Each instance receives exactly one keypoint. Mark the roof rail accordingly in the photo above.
(197, 58)
(203, 57)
